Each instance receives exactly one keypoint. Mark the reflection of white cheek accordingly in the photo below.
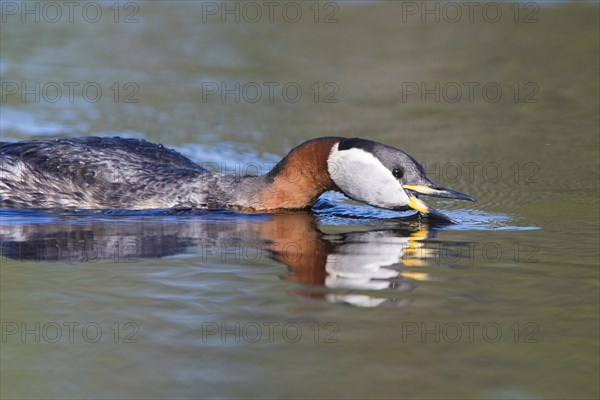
(366, 261)
(356, 266)
(335, 282)
(365, 264)
(358, 300)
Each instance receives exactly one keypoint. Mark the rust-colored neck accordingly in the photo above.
(299, 178)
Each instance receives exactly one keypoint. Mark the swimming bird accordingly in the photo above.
(121, 173)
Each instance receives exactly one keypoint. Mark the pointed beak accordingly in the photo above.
(435, 191)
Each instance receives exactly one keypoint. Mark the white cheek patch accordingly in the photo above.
(363, 177)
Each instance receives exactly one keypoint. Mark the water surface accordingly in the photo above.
(344, 301)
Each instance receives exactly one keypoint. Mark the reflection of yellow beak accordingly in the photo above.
(416, 255)
(417, 276)
(418, 235)
(412, 254)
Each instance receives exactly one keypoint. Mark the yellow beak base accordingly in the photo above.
(432, 213)
(421, 189)
(418, 205)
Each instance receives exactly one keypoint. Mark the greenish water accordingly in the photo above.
(504, 304)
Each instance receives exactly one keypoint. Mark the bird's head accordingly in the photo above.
(385, 177)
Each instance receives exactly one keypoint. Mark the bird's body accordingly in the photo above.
(105, 173)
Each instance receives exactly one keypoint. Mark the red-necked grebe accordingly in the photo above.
(118, 173)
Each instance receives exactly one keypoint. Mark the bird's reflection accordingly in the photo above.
(361, 265)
